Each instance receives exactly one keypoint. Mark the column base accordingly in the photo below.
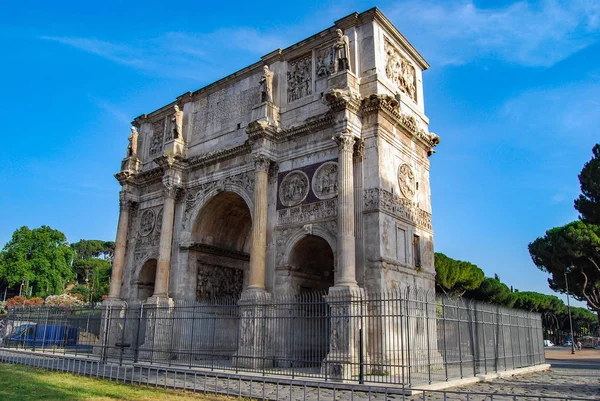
(255, 349)
(343, 360)
(111, 327)
(159, 329)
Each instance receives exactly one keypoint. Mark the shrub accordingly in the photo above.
(35, 301)
(3, 309)
(63, 300)
(81, 290)
(15, 301)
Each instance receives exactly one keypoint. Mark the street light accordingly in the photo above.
(569, 307)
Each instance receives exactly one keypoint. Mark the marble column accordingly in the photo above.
(256, 273)
(346, 266)
(161, 286)
(120, 248)
(358, 210)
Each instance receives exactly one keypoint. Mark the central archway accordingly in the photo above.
(221, 246)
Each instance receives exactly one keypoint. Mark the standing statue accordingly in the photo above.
(133, 142)
(266, 85)
(340, 50)
(177, 123)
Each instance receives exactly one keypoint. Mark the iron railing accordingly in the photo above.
(404, 337)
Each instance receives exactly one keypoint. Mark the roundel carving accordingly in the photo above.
(147, 222)
(294, 188)
(406, 181)
(325, 181)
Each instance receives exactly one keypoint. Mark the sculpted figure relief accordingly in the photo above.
(341, 48)
(177, 123)
(325, 181)
(147, 222)
(299, 77)
(400, 71)
(294, 188)
(266, 85)
(133, 143)
(406, 181)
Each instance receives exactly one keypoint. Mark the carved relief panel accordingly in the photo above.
(158, 133)
(325, 181)
(324, 61)
(218, 281)
(406, 181)
(400, 70)
(294, 188)
(299, 78)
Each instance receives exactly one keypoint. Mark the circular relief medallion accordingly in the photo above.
(294, 188)
(146, 222)
(325, 181)
(406, 181)
(159, 220)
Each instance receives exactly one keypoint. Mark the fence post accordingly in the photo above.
(444, 335)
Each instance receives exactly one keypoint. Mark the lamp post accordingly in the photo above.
(569, 307)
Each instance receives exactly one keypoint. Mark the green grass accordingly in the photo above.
(23, 383)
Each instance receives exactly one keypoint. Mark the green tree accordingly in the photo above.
(93, 266)
(573, 249)
(38, 261)
(455, 277)
(494, 291)
(588, 203)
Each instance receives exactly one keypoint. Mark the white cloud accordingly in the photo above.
(524, 33)
(568, 111)
(182, 55)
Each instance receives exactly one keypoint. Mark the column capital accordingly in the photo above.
(126, 200)
(172, 191)
(345, 141)
(261, 163)
(359, 150)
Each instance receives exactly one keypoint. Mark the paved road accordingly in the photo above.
(570, 375)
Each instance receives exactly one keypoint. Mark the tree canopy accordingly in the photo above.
(455, 277)
(588, 203)
(494, 291)
(573, 249)
(38, 260)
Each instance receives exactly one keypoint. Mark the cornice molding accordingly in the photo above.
(389, 107)
(220, 155)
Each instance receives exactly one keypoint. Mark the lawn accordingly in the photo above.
(23, 383)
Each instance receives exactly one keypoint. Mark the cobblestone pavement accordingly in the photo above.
(576, 376)
(570, 377)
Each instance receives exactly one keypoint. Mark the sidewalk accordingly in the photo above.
(570, 375)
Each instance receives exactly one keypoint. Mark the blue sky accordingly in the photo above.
(513, 91)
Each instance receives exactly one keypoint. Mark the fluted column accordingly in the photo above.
(359, 148)
(161, 285)
(120, 248)
(256, 274)
(346, 266)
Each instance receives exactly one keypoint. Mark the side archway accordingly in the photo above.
(145, 281)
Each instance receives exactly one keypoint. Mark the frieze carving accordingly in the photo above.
(147, 222)
(299, 78)
(282, 238)
(406, 181)
(156, 143)
(294, 188)
(244, 180)
(306, 213)
(159, 218)
(324, 62)
(382, 200)
(325, 181)
(400, 70)
(217, 281)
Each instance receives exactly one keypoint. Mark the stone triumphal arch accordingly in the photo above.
(306, 171)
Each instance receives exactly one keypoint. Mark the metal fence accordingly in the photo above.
(404, 337)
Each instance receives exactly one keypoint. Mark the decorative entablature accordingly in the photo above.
(341, 99)
(311, 125)
(389, 107)
(377, 199)
(219, 155)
